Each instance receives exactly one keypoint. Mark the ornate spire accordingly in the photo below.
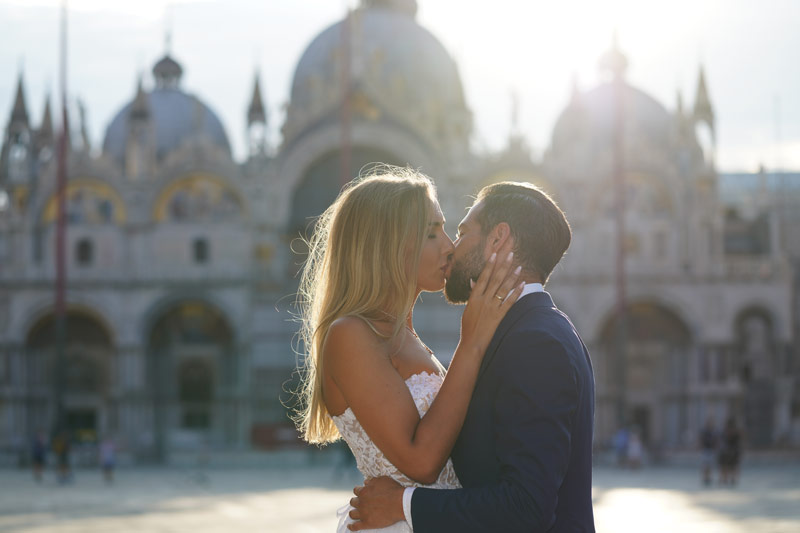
(681, 121)
(167, 72)
(703, 117)
(407, 7)
(47, 118)
(256, 112)
(702, 103)
(83, 127)
(168, 38)
(140, 108)
(139, 159)
(19, 113)
(44, 135)
(614, 61)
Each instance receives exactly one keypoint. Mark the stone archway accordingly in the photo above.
(654, 388)
(322, 182)
(756, 345)
(84, 377)
(192, 369)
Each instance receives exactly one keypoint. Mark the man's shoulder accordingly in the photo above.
(544, 322)
(535, 332)
(544, 328)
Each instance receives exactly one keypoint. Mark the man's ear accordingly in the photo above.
(498, 237)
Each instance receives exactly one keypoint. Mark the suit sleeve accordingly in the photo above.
(534, 413)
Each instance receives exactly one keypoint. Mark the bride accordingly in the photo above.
(368, 377)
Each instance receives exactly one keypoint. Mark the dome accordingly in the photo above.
(400, 66)
(407, 6)
(589, 117)
(176, 115)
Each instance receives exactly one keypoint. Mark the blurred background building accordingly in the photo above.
(182, 262)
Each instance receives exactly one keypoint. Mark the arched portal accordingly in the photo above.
(83, 377)
(652, 379)
(192, 367)
(322, 182)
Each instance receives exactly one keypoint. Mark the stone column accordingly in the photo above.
(245, 386)
(134, 420)
(782, 425)
(130, 369)
(19, 409)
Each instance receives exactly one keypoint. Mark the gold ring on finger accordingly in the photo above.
(499, 297)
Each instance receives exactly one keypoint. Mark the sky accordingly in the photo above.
(535, 49)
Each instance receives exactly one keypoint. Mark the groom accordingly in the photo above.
(524, 455)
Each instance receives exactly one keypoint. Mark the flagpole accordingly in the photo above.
(61, 270)
(346, 109)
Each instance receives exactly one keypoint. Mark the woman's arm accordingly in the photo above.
(357, 362)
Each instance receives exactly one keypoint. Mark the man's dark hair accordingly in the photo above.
(540, 229)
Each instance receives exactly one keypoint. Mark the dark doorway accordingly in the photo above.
(82, 424)
(195, 391)
(640, 422)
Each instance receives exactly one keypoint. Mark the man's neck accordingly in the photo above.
(531, 288)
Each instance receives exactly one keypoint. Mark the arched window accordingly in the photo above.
(758, 352)
(84, 252)
(200, 250)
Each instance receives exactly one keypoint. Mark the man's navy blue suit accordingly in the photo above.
(524, 455)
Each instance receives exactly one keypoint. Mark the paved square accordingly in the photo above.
(290, 499)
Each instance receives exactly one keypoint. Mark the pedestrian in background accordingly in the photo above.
(635, 451)
(38, 455)
(61, 447)
(708, 447)
(621, 445)
(108, 459)
(730, 453)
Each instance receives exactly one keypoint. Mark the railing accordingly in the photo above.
(756, 267)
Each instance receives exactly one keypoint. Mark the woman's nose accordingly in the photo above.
(449, 247)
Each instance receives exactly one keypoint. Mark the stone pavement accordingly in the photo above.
(292, 499)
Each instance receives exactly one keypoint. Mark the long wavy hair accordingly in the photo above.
(363, 259)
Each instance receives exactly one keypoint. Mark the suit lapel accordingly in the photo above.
(536, 299)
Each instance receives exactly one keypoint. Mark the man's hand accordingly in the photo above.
(379, 503)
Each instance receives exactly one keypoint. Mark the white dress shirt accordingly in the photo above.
(409, 491)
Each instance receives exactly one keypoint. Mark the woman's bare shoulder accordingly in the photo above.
(352, 326)
(349, 334)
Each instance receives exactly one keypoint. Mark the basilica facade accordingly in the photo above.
(181, 262)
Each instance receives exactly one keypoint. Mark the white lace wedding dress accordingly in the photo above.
(372, 463)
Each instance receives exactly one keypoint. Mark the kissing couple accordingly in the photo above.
(501, 441)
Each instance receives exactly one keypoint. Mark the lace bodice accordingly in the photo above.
(370, 460)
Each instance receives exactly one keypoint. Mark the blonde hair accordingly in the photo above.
(358, 266)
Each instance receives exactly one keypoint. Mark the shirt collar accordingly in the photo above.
(530, 288)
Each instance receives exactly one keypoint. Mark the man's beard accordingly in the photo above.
(457, 289)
